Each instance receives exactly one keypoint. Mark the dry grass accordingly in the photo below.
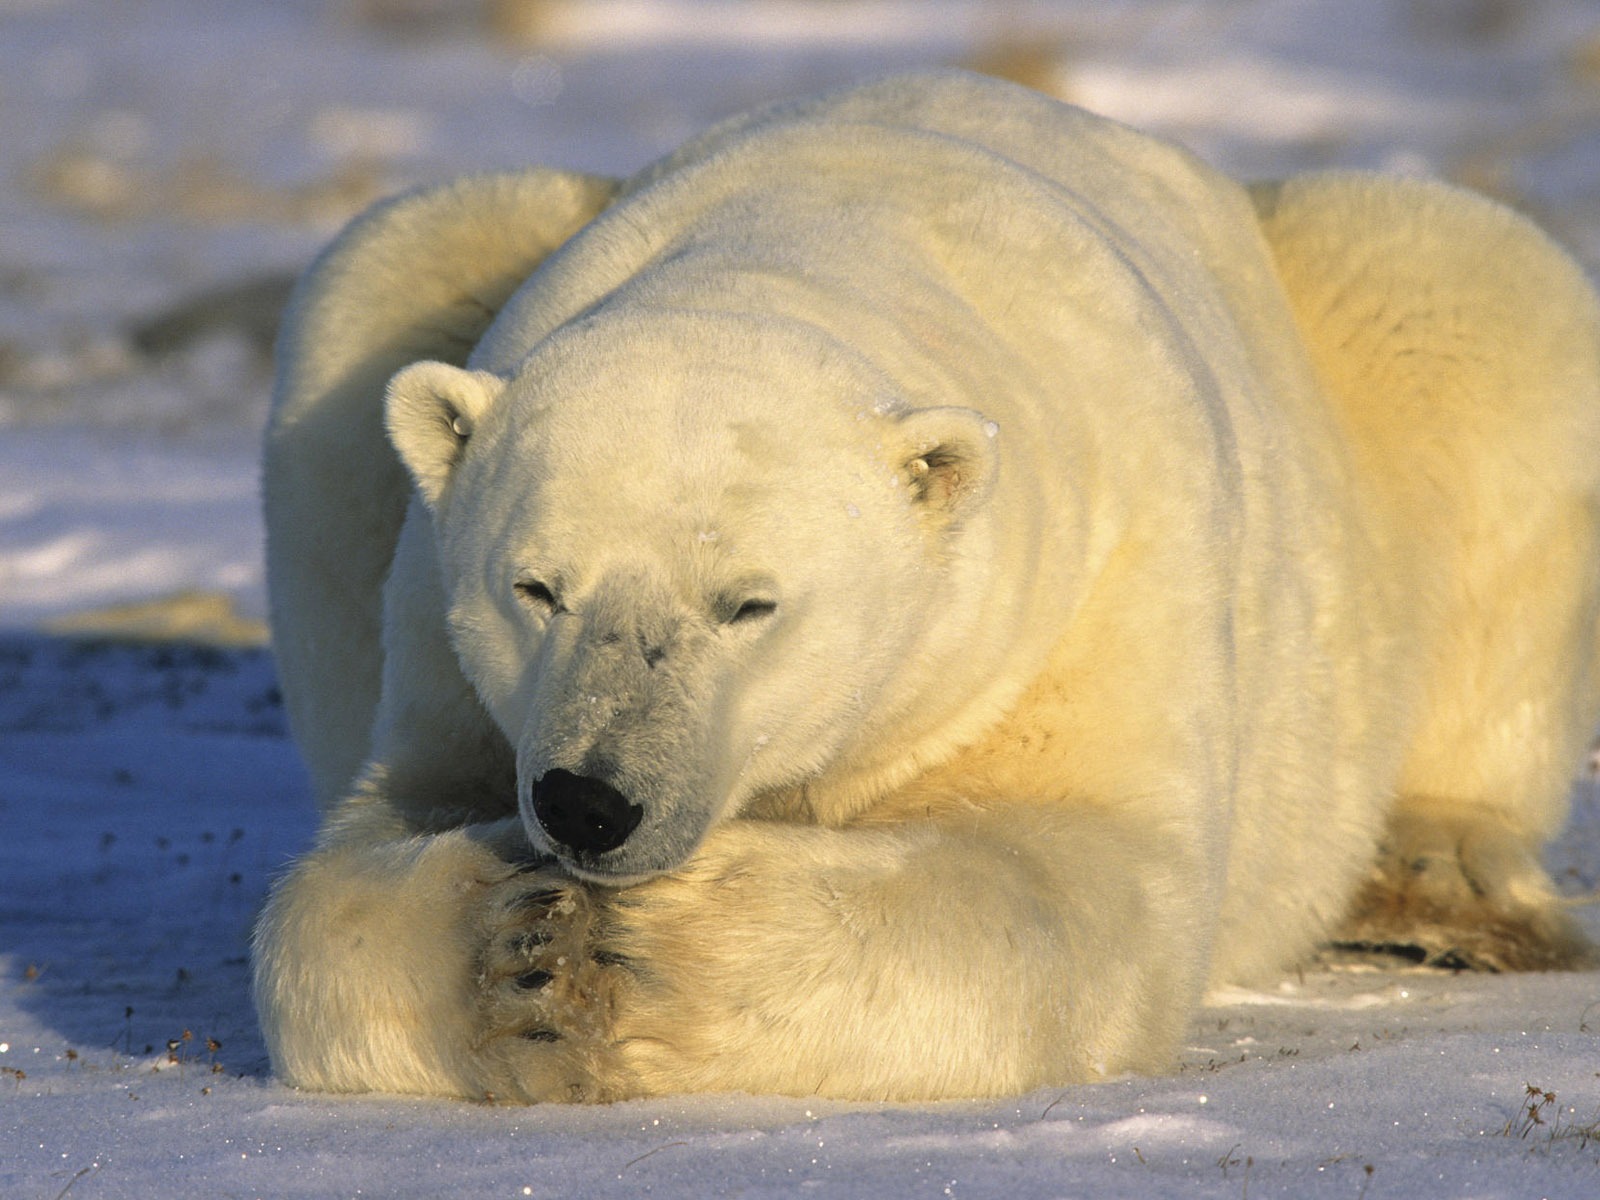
(1541, 1111)
(207, 618)
(1037, 62)
(198, 189)
(1467, 20)
(513, 22)
(521, 22)
(1583, 62)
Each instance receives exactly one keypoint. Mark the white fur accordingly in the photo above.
(1016, 574)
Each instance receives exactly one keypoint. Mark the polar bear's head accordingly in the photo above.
(688, 563)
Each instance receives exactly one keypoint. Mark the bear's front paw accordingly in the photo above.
(549, 993)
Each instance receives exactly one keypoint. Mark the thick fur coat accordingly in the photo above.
(894, 599)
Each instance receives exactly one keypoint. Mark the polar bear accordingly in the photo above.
(896, 598)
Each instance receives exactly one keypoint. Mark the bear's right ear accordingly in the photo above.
(430, 411)
(948, 459)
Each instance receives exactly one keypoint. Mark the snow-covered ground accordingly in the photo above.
(167, 165)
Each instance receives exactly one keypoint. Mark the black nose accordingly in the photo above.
(584, 814)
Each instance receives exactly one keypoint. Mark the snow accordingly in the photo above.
(85, 516)
(168, 166)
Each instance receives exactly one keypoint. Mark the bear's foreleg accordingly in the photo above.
(981, 953)
(366, 956)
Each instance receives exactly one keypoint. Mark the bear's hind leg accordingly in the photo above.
(1456, 887)
(1505, 715)
(1506, 711)
(1460, 350)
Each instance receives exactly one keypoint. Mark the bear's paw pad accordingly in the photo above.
(548, 990)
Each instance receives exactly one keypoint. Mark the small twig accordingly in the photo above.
(1583, 1017)
(82, 1171)
(648, 1153)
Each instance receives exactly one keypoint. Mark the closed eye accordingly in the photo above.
(753, 610)
(538, 595)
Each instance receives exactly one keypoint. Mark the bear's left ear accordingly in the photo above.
(947, 457)
(430, 411)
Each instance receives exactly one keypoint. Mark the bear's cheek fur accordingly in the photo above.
(498, 651)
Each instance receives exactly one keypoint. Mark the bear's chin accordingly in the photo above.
(602, 877)
(623, 867)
